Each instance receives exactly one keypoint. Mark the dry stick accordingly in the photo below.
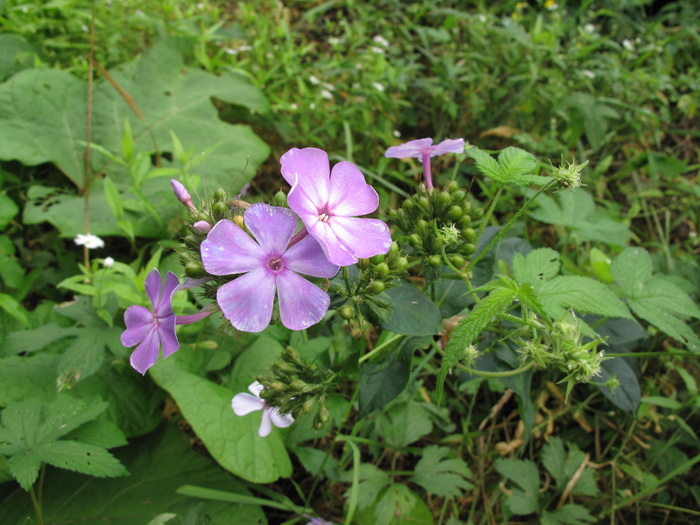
(132, 104)
(572, 482)
(86, 190)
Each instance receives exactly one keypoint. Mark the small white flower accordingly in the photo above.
(379, 39)
(244, 403)
(396, 133)
(628, 45)
(108, 262)
(231, 51)
(89, 240)
(482, 18)
(589, 28)
(85, 28)
(335, 41)
(312, 106)
(378, 50)
(588, 73)
(315, 81)
(551, 5)
(293, 107)
(326, 94)
(328, 86)
(378, 86)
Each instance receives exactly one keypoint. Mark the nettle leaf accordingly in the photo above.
(27, 376)
(43, 115)
(382, 381)
(561, 293)
(405, 310)
(469, 328)
(654, 298)
(403, 424)
(522, 472)
(398, 505)
(31, 434)
(562, 466)
(440, 476)
(372, 481)
(232, 440)
(576, 210)
(26, 341)
(569, 514)
(514, 166)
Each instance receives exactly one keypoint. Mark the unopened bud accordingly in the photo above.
(347, 312)
(220, 210)
(238, 219)
(280, 199)
(202, 227)
(377, 287)
(182, 194)
(194, 269)
(382, 270)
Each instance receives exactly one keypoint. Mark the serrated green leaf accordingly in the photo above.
(485, 163)
(14, 308)
(514, 163)
(583, 294)
(576, 210)
(538, 266)
(469, 328)
(80, 457)
(405, 310)
(404, 424)
(25, 469)
(524, 474)
(232, 440)
(563, 465)
(440, 476)
(654, 299)
(85, 354)
(372, 481)
(21, 377)
(569, 514)
(99, 433)
(26, 341)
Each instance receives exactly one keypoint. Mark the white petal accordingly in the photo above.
(280, 420)
(243, 404)
(265, 424)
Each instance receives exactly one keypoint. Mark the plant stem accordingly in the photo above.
(88, 133)
(510, 223)
(379, 348)
(677, 353)
(489, 212)
(37, 507)
(504, 373)
(426, 170)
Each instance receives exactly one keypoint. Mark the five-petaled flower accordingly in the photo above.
(245, 403)
(423, 149)
(151, 329)
(269, 267)
(328, 202)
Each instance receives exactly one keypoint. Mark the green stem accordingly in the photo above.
(677, 353)
(510, 223)
(379, 348)
(489, 211)
(37, 507)
(504, 373)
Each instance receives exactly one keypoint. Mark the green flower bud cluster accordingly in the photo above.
(561, 346)
(297, 387)
(433, 220)
(568, 174)
(375, 275)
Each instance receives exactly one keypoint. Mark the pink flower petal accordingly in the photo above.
(228, 250)
(153, 287)
(280, 420)
(308, 167)
(447, 146)
(247, 301)
(362, 237)
(334, 249)
(413, 148)
(271, 226)
(243, 404)
(349, 193)
(139, 321)
(265, 424)
(307, 257)
(302, 304)
(146, 353)
(165, 303)
(167, 335)
(303, 205)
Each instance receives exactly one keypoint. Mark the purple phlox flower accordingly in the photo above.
(152, 329)
(269, 268)
(328, 202)
(424, 150)
(182, 194)
(316, 521)
(244, 403)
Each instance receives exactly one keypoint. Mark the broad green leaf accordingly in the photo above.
(538, 266)
(17, 54)
(382, 381)
(14, 308)
(655, 299)
(523, 500)
(469, 328)
(569, 514)
(514, 166)
(583, 294)
(403, 424)
(43, 119)
(27, 376)
(85, 354)
(158, 466)
(372, 481)
(440, 476)
(79, 457)
(576, 210)
(563, 465)
(233, 441)
(8, 210)
(253, 362)
(405, 310)
(628, 393)
(485, 163)
(396, 505)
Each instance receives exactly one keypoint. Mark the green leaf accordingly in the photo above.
(403, 424)
(396, 505)
(440, 476)
(253, 362)
(405, 310)
(233, 441)
(372, 481)
(85, 354)
(27, 376)
(14, 308)
(485, 163)
(80, 457)
(113, 198)
(469, 328)
(523, 473)
(569, 514)
(576, 210)
(562, 466)
(382, 381)
(8, 210)
(514, 166)
(627, 394)
(17, 54)
(540, 265)
(158, 464)
(655, 299)
(583, 294)
(27, 341)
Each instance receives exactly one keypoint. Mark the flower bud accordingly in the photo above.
(423, 226)
(394, 249)
(202, 227)
(377, 287)
(468, 234)
(182, 194)
(280, 199)
(452, 186)
(238, 219)
(400, 263)
(220, 210)
(457, 260)
(424, 203)
(382, 270)
(468, 249)
(409, 206)
(444, 200)
(459, 196)
(347, 312)
(220, 195)
(415, 240)
(465, 220)
(455, 212)
(194, 269)
(377, 259)
(435, 261)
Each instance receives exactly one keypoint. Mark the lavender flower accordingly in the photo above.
(182, 194)
(244, 403)
(152, 329)
(327, 202)
(423, 149)
(269, 267)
